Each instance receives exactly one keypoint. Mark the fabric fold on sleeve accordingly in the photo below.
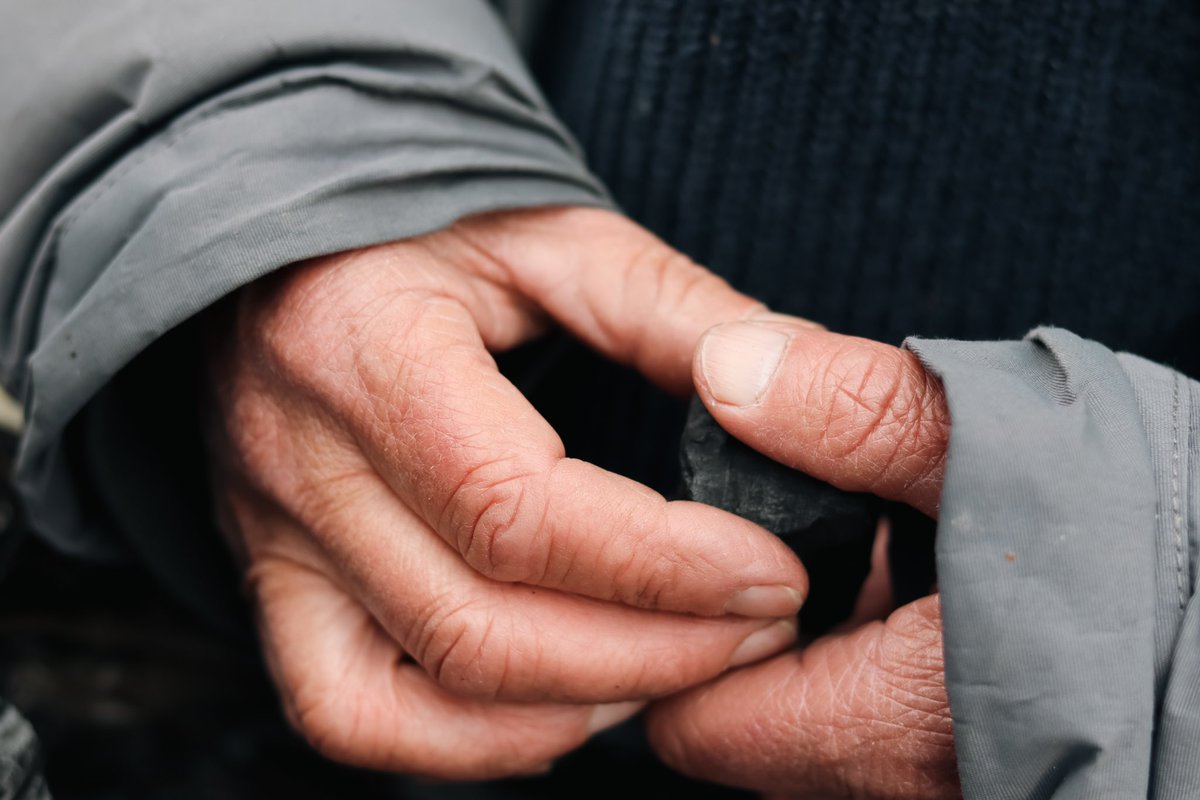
(1170, 408)
(216, 142)
(1049, 541)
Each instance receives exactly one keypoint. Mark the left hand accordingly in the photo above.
(856, 714)
(439, 589)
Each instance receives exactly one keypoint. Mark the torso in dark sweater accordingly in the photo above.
(943, 168)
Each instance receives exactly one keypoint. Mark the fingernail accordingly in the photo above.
(738, 360)
(764, 642)
(787, 319)
(765, 601)
(610, 714)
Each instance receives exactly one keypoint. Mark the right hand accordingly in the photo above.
(439, 589)
(860, 713)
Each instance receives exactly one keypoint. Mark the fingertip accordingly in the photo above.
(764, 642)
(609, 715)
(862, 415)
(765, 601)
(730, 566)
(736, 361)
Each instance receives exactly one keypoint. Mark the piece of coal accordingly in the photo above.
(832, 531)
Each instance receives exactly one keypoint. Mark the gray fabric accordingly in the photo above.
(159, 155)
(20, 758)
(1066, 551)
(1176, 769)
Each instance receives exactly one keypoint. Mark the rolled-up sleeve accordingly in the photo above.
(157, 155)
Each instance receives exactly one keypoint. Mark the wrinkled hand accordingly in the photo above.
(439, 590)
(857, 714)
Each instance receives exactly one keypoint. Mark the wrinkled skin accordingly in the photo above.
(861, 713)
(439, 590)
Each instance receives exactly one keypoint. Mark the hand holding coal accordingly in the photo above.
(832, 531)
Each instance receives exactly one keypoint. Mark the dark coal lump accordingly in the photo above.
(832, 531)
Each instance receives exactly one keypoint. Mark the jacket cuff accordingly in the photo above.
(1050, 554)
(304, 161)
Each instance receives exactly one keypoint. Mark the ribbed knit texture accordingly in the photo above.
(936, 167)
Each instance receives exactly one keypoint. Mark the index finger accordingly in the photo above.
(613, 284)
(461, 447)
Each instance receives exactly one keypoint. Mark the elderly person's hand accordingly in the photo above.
(856, 714)
(439, 589)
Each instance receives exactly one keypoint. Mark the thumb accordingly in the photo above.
(857, 714)
(613, 284)
(859, 414)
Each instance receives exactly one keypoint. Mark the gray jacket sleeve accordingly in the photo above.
(157, 154)
(1067, 547)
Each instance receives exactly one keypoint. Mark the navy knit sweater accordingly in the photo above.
(961, 168)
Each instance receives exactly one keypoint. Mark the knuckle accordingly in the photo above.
(646, 588)
(348, 316)
(639, 571)
(659, 281)
(469, 650)
(409, 326)
(504, 514)
(642, 582)
(884, 413)
(863, 389)
(668, 278)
